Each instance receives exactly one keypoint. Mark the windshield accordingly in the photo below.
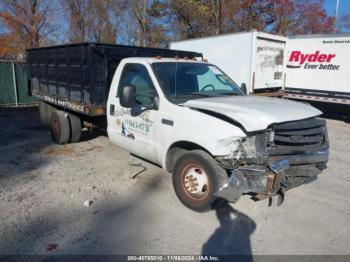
(183, 81)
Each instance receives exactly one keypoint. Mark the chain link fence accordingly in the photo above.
(14, 84)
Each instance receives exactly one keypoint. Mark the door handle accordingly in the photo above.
(167, 122)
(111, 109)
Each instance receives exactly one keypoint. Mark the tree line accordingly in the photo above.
(34, 23)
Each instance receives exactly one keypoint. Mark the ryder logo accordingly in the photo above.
(316, 60)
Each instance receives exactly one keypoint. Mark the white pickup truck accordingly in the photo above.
(192, 120)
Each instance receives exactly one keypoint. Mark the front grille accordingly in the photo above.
(298, 137)
(306, 132)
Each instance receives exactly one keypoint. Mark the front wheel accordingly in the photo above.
(196, 177)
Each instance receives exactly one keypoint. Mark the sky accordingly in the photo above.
(329, 5)
(344, 6)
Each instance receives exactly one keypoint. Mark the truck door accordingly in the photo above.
(269, 69)
(133, 129)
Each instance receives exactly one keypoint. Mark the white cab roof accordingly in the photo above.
(152, 60)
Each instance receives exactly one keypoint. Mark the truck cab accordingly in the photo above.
(191, 119)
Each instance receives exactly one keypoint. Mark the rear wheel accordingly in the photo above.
(196, 177)
(75, 127)
(45, 111)
(59, 128)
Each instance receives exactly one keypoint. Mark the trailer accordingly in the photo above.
(253, 58)
(318, 70)
(77, 77)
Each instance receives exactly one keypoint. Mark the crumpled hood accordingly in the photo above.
(255, 112)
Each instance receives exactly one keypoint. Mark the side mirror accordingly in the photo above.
(244, 88)
(128, 96)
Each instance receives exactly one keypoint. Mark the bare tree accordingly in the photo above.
(99, 26)
(28, 24)
(118, 11)
(94, 20)
(216, 6)
(139, 11)
(78, 16)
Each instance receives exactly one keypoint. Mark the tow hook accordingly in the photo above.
(280, 198)
(278, 167)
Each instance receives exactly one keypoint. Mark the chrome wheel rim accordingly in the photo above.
(195, 181)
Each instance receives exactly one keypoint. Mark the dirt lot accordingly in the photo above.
(43, 188)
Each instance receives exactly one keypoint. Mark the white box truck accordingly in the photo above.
(253, 58)
(318, 69)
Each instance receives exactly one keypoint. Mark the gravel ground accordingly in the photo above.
(43, 188)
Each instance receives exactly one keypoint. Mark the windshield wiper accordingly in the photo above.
(190, 94)
(193, 94)
(227, 93)
(200, 94)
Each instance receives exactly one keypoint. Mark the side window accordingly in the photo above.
(137, 75)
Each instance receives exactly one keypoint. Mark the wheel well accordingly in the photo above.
(177, 149)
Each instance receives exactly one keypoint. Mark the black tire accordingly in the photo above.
(60, 129)
(75, 127)
(45, 111)
(201, 163)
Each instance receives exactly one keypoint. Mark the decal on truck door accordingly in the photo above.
(128, 122)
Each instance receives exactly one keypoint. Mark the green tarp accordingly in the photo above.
(8, 92)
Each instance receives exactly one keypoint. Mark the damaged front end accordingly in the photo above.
(267, 163)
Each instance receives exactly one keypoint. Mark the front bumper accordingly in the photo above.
(278, 175)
